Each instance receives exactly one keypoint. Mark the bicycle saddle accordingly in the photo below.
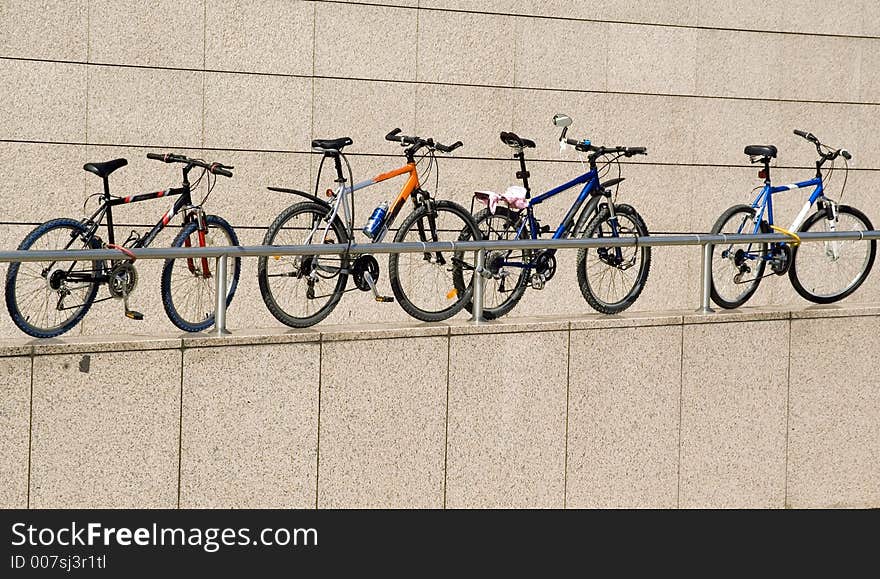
(515, 141)
(760, 151)
(102, 170)
(331, 144)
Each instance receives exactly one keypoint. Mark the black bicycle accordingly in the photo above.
(48, 298)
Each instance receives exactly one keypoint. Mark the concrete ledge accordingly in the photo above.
(646, 410)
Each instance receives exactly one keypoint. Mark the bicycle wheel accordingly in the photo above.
(47, 298)
(508, 283)
(431, 294)
(188, 285)
(611, 278)
(300, 291)
(737, 268)
(828, 271)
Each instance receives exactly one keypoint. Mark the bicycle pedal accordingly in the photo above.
(133, 315)
(385, 299)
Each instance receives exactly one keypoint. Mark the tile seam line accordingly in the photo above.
(446, 432)
(785, 504)
(680, 415)
(394, 156)
(599, 21)
(30, 433)
(446, 83)
(180, 429)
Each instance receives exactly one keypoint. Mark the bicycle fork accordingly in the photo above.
(205, 271)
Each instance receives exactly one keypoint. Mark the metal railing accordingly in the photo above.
(222, 254)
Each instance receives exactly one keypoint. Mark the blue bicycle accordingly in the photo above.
(610, 279)
(820, 272)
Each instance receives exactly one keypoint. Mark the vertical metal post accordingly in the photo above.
(479, 284)
(220, 291)
(706, 277)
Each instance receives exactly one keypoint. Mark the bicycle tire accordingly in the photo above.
(204, 309)
(273, 301)
(747, 212)
(511, 222)
(467, 229)
(14, 302)
(593, 230)
(801, 287)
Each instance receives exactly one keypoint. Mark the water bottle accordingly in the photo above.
(374, 223)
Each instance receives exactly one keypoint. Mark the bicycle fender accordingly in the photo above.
(308, 196)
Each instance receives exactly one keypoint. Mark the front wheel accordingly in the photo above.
(425, 282)
(188, 284)
(828, 271)
(611, 278)
(48, 298)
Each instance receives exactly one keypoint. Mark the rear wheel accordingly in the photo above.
(611, 278)
(508, 283)
(48, 298)
(300, 291)
(827, 271)
(424, 282)
(737, 268)
(188, 284)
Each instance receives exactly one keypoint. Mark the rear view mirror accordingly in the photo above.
(561, 120)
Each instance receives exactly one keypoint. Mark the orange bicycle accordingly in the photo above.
(300, 291)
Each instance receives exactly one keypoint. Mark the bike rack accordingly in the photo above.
(222, 254)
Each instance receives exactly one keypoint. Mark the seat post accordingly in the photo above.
(340, 178)
(523, 172)
(111, 238)
(767, 170)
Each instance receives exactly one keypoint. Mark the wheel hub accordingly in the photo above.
(56, 279)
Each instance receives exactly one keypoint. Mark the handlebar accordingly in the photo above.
(216, 168)
(598, 151)
(418, 142)
(830, 155)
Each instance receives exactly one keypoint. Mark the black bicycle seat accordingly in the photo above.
(761, 151)
(102, 170)
(331, 144)
(515, 141)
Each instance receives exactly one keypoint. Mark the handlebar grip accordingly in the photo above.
(845, 154)
(392, 136)
(637, 151)
(158, 157)
(448, 149)
(803, 134)
(224, 172)
(572, 142)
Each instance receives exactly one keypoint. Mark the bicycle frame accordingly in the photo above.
(590, 181)
(411, 185)
(106, 210)
(763, 203)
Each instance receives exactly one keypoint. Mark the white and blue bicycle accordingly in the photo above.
(822, 272)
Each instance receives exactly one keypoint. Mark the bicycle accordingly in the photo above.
(47, 299)
(819, 272)
(300, 291)
(512, 216)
